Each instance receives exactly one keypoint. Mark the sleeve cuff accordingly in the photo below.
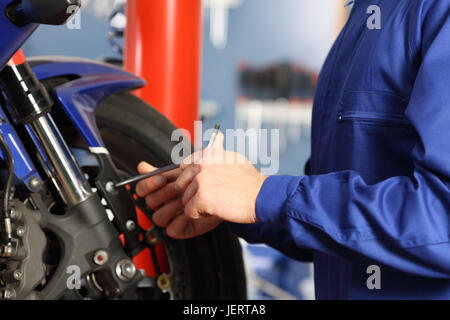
(272, 197)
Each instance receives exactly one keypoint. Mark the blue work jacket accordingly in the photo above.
(379, 189)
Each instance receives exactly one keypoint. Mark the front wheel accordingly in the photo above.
(207, 267)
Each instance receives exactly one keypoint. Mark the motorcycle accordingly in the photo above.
(69, 129)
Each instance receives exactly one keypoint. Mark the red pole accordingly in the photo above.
(163, 46)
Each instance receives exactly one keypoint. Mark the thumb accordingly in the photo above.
(145, 167)
(218, 143)
(212, 154)
(216, 147)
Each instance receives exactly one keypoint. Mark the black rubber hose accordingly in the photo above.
(6, 192)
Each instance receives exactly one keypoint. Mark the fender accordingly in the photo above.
(79, 98)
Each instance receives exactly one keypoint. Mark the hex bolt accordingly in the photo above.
(15, 214)
(130, 225)
(125, 270)
(100, 257)
(34, 183)
(18, 275)
(110, 187)
(12, 213)
(20, 231)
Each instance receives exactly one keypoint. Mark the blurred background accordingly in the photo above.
(260, 64)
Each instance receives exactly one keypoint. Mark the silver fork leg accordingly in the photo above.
(66, 174)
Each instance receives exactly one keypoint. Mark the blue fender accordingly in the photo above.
(80, 97)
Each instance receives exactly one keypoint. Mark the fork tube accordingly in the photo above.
(66, 174)
(30, 104)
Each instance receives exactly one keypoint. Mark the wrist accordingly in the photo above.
(273, 197)
(259, 185)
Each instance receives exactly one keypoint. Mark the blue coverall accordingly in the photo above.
(379, 189)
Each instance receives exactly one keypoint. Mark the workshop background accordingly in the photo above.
(260, 63)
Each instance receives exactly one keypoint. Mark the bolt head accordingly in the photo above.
(125, 270)
(110, 187)
(34, 183)
(13, 213)
(100, 257)
(20, 231)
(18, 275)
(130, 225)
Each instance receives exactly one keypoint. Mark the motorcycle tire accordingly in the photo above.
(207, 267)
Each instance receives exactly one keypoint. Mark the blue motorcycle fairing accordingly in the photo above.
(79, 98)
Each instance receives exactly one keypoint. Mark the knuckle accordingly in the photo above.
(178, 186)
(190, 213)
(184, 200)
(171, 190)
(149, 185)
(197, 180)
(195, 183)
(190, 206)
(150, 201)
(197, 168)
(157, 219)
(196, 200)
(203, 165)
(200, 196)
(140, 190)
(187, 211)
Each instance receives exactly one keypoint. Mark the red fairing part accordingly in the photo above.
(17, 59)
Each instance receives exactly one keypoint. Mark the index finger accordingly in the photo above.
(152, 184)
(145, 167)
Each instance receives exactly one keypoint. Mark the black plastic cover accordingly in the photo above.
(52, 12)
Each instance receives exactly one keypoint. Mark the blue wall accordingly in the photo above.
(263, 32)
(88, 42)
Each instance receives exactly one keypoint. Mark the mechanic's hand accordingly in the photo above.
(161, 196)
(221, 184)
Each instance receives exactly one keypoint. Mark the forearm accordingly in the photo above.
(390, 223)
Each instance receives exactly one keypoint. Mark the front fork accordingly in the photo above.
(30, 103)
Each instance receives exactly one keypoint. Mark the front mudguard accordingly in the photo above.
(93, 82)
(79, 98)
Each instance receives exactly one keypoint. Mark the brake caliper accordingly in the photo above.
(22, 266)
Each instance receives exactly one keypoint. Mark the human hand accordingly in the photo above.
(221, 184)
(165, 199)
